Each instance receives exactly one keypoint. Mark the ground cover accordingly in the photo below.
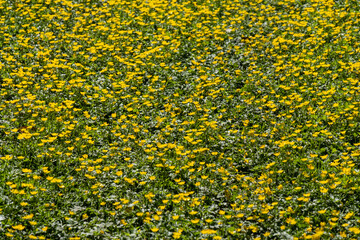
(171, 119)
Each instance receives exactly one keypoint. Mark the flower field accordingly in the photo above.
(174, 119)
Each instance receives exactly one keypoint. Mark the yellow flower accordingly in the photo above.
(208, 231)
(154, 229)
(18, 227)
(261, 197)
(349, 215)
(194, 221)
(291, 221)
(343, 234)
(323, 190)
(176, 235)
(30, 216)
(355, 230)
(193, 212)
(317, 235)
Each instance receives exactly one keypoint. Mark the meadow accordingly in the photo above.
(174, 119)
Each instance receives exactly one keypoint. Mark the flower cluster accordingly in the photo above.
(173, 119)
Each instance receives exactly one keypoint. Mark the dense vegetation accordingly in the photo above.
(161, 119)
